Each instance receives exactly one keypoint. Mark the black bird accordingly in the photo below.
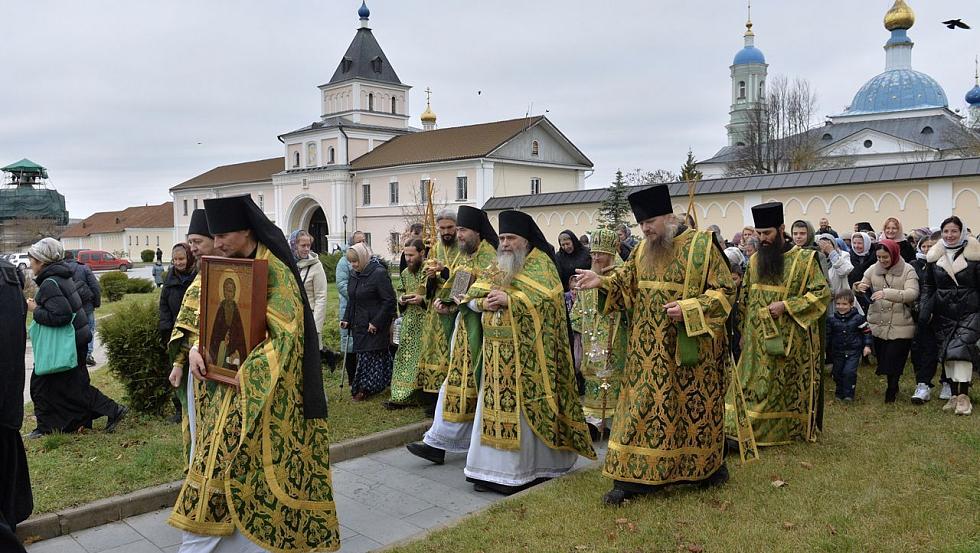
(954, 23)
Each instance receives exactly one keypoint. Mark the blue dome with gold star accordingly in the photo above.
(898, 90)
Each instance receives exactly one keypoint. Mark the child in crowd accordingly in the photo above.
(848, 338)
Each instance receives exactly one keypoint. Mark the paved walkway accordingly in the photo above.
(381, 498)
(98, 353)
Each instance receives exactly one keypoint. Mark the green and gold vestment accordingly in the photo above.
(527, 362)
(404, 375)
(669, 420)
(607, 331)
(259, 466)
(781, 390)
(437, 330)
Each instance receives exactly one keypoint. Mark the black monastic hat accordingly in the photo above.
(240, 213)
(768, 215)
(651, 202)
(865, 226)
(477, 220)
(523, 225)
(199, 224)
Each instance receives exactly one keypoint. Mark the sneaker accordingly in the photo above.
(922, 393)
(945, 392)
(90, 361)
(951, 404)
(963, 405)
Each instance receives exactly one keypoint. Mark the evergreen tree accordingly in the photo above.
(615, 207)
(689, 171)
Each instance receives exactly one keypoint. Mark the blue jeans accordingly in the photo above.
(845, 373)
(91, 325)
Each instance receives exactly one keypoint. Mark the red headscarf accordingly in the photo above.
(894, 252)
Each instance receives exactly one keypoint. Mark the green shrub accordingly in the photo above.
(147, 256)
(114, 285)
(139, 286)
(329, 261)
(136, 356)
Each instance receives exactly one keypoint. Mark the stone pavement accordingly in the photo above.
(381, 498)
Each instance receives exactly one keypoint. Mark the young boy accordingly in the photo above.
(848, 338)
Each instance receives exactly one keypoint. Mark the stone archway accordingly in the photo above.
(306, 213)
(319, 229)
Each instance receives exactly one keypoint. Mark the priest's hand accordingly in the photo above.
(496, 300)
(586, 279)
(777, 308)
(433, 268)
(198, 369)
(440, 307)
(675, 312)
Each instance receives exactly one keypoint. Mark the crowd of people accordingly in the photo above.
(680, 348)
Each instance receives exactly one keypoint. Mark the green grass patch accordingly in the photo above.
(882, 478)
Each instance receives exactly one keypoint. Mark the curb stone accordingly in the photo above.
(104, 511)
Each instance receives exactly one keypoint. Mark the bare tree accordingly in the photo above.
(781, 134)
(962, 140)
(640, 177)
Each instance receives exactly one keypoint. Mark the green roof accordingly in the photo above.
(26, 166)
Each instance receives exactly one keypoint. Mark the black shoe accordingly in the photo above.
(615, 497)
(330, 357)
(35, 434)
(481, 487)
(731, 446)
(90, 361)
(719, 477)
(427, 452)
(114, 420)
(392, 406)
(175, 418)
(594, 433)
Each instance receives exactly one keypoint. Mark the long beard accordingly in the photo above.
(657, 252)
(510, 264)
(469, 248)
(448, 240)
(769, 260)
(415, 266)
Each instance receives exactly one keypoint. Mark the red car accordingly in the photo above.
(103, 261)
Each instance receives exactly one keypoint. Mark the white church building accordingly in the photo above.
(360, 165)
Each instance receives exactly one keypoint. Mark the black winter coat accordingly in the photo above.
(371, 300)
(13, 337)
(55, 304)
(848, 334)
(172, 296)
(952, 308)
(86, 284)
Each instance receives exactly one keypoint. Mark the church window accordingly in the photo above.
(195, 203)
(370, 102)
(741, 90)
(376, 64)
(868, 143)
(345, 64)
(393, 192)
(331, 155)
(147, 238)
(762, 89)
(185, 214)
(927, 130)
(262, 202)
(367, 238)
(424, 191)
(826, 136)
(534, 148)
(461, 188)
(158, 241)
(296, 159)
(366, 194)
(131, 236)
(393, 105)
(740, 144)
(311, 155)
(395, 240)
(535, 186)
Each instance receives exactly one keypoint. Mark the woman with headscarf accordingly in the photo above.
(370, 311)
(839, 263)
(571, 255)
(892, 287)
(183, 269)
(951, 305)
(862, 257)
(314, 280)
(892, 230)
(64, 401)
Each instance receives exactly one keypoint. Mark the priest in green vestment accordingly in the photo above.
(784, 295)
(456, 404)
(528, 424)
(259, 473)
(437, 328)
(669, 422)
(404, 376)
(604, 337)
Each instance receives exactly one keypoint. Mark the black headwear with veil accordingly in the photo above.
(239, 213)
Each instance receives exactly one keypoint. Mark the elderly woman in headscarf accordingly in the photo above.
(183, 269)
(314, 280)
(839, 263)
(862, 257)
(370, 312)
(571, 255)
(892, 230)
(64, 401)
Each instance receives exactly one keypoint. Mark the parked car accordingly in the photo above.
(19, 260)
(103, 261)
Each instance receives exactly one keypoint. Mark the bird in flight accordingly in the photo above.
(954, 23)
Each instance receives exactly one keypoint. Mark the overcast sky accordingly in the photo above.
(114, 97)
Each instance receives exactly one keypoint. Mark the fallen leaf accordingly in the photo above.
(778, 483)
(833, 531)
(622, 520)
(806, 465)
(118, 457)
(581, 547)
(631, 527)
(788, 526)
(92, 460)
(611, 536)
(694, 548)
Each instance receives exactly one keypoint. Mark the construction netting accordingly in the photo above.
(28, 202)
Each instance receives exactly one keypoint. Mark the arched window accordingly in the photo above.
(393, 105)
(927, 130)
(741, 90)
(296, 159)
(762, 90)
(330, 155)
(311, 155)
(826, 136)
(370, 101)
(534, 147)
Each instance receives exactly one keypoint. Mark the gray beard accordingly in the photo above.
(657, 250)
(510, 264)
(467, 248)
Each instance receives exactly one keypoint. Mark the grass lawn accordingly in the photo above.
(881, 478)
(71, 469)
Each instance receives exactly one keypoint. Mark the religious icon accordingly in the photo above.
(233, 296)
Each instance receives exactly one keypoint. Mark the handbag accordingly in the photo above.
(54, 347)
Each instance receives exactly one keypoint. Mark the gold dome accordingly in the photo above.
(428, 116)
(900, 16)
